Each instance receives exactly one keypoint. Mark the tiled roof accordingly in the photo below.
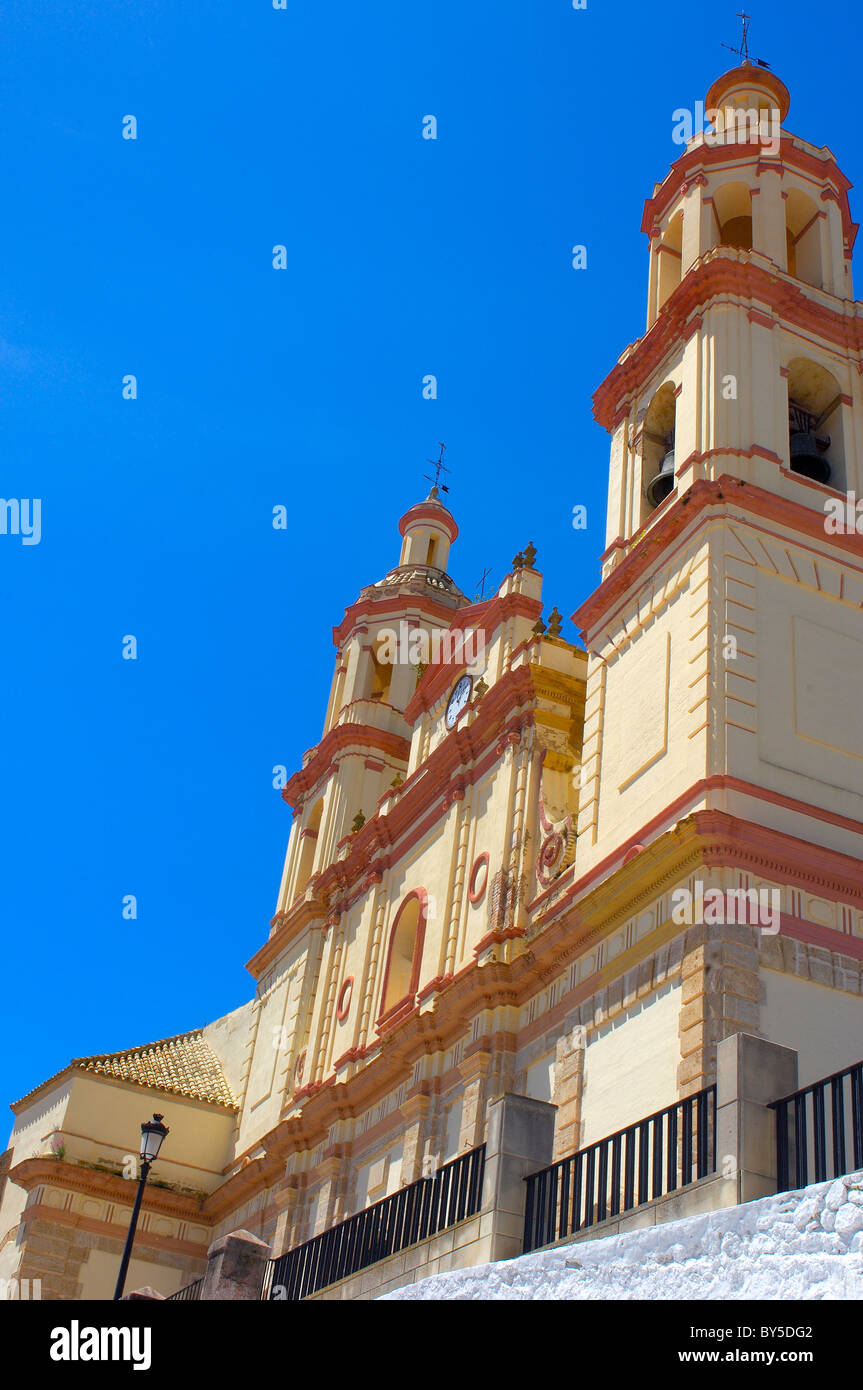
(183, 1065)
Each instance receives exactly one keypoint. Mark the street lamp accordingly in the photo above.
(152, 1134)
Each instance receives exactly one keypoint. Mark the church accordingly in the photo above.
(503, 847)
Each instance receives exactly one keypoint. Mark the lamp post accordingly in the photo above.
(152, 1134)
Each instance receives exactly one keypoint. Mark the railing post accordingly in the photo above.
(235, 1268)
(520, 1141)
(750, 1074)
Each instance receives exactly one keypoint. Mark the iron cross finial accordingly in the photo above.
(743, 51)
(439, 467)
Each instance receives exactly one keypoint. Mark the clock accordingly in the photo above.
(458, 699)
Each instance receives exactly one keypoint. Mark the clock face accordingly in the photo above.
(458, 699)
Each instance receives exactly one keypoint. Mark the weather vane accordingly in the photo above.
(439, 467)
(743, 50)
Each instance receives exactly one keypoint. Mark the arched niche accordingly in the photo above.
(404, 954)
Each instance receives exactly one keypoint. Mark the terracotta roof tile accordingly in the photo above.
(183, 1065)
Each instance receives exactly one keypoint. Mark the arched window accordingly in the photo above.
(803, 238)
(657, 449)
(404, 957)
(308, 846)
(816, 442)
(733, 206)
(670, 253)
(379, 674)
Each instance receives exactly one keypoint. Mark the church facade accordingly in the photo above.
(519, 865)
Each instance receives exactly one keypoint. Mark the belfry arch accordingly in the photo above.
(732, 204)
(657, 449)
(816, 433)
(803, 238)
(308, 846)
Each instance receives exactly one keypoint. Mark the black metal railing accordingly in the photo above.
(412, 1214)
(189, 1292)
(648, 1159)
(808, 1149)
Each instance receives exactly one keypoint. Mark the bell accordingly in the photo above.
(807, 457)
(659, 488)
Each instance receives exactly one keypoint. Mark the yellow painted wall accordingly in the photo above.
(630, 1066)
(824, 1025)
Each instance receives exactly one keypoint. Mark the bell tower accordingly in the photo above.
(726, 636)
(365, 745)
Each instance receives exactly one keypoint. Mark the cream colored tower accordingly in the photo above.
(366, 734)
(726, 638)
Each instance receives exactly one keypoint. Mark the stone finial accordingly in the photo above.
(358, 822)
(479, 689)
(518, 561)
(555, 622)
(530, 555)
(539, 627)
(397, 780)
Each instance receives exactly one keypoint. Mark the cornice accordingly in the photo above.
(335, 741)
(93, 1182)
(705, 157)
(722, 494)
(723, 271)
(301, 916)
(398, 602)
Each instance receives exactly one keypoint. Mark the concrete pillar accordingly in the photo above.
(235, 1268)
(750, 1073)
(520, 1141)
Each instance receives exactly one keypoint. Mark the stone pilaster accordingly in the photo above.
(568, 1090)
(720, 994)
(331, 1193)
(415, 1112)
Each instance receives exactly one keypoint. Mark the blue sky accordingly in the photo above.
(303, 388)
